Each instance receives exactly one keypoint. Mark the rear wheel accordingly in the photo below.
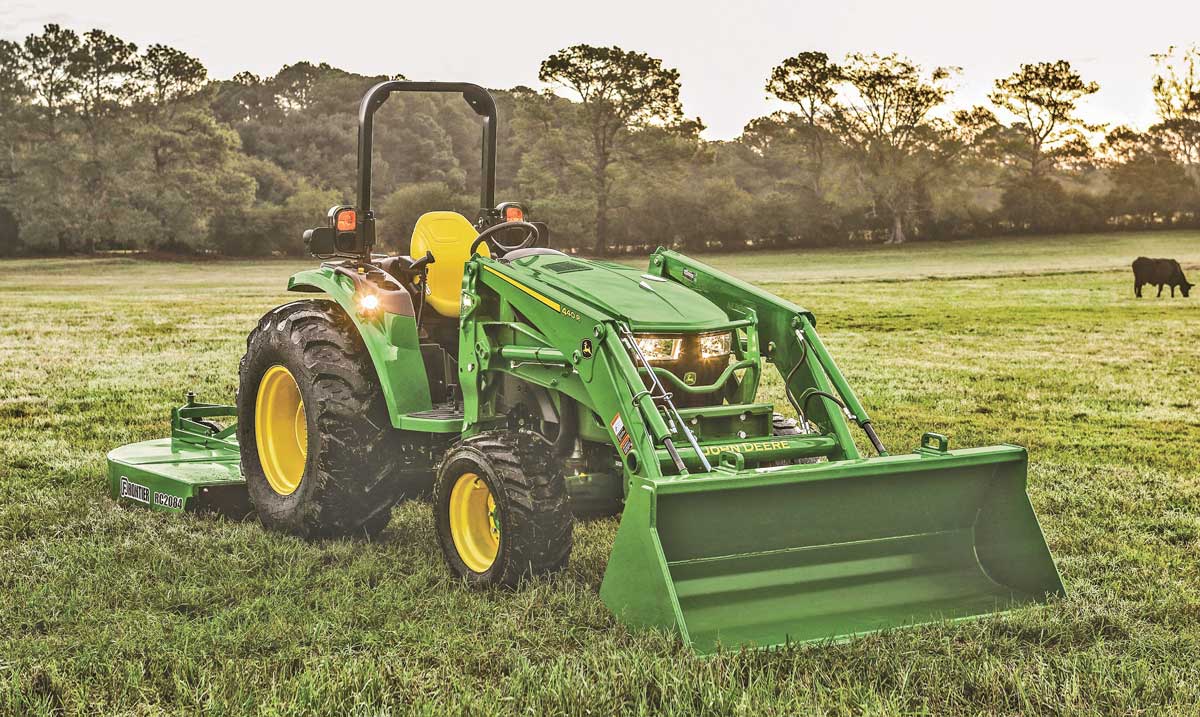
(500, 509)
(317, 445)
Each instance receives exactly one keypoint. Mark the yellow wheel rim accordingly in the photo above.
(280, 430)
(474, 522)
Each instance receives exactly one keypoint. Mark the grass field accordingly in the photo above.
(105, 609)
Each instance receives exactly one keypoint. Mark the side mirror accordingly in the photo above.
(321, 241)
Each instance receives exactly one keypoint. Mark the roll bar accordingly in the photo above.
(477, 97)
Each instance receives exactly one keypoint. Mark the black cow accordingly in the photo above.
(1160, 272)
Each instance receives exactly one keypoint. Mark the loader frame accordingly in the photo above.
(639, 585)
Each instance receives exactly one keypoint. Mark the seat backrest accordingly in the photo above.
(448, 235)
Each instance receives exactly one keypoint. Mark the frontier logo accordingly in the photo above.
(134, 491)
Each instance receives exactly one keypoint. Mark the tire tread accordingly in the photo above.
(356, 469)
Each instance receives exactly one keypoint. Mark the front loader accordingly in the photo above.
(524, 389)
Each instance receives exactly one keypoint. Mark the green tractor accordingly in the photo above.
(525, 388)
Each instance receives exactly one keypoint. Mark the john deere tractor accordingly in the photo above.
(524, 388)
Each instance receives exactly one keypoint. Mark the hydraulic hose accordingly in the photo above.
(848, 401)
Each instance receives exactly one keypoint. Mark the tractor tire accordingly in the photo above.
(344, 477)
(781, 425)
(501, 509)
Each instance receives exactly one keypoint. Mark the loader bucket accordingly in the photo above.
(830, 550)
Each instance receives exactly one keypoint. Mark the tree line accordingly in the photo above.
(106, 146)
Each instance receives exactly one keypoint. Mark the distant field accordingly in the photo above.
(976, 257)
(111, 610)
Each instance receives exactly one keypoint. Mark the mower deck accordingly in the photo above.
(169, 474)
(197, 468)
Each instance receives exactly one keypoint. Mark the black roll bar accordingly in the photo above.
(477, 97)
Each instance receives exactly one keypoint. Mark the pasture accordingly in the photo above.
(1040, 342)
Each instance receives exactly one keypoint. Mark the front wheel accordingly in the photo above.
(500, 510)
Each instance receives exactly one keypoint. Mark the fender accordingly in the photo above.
(391, 341)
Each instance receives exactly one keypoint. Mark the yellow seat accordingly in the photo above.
(448, 235)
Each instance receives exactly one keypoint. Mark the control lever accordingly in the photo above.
(420, 264)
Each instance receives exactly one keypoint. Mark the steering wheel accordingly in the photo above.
(532, 234)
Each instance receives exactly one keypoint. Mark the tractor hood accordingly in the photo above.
(647, 302)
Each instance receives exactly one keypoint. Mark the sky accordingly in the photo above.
(723, 50)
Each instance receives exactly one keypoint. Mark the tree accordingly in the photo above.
(13, 89)
(1044, 97)
(550, 153)
(243, 98)
(105, 147)
(1176, 90)
(1148, 185)
(190, 176)
(102, 66)
(620, 91)
(269, 227)
(183, 161)
(47, 168)
(808, 80)
(13, 93)
(47, 67)
(886, 122)
(169, 77)
(293, 85)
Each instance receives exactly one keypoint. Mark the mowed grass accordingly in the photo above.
(106, 609)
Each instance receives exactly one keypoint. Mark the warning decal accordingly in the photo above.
(624, 441)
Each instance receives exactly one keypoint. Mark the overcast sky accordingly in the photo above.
(723, 50)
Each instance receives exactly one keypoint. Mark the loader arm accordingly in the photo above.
(788, 333)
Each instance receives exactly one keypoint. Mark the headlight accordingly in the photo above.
(713, 345)
(659, 348)
(367, 303)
